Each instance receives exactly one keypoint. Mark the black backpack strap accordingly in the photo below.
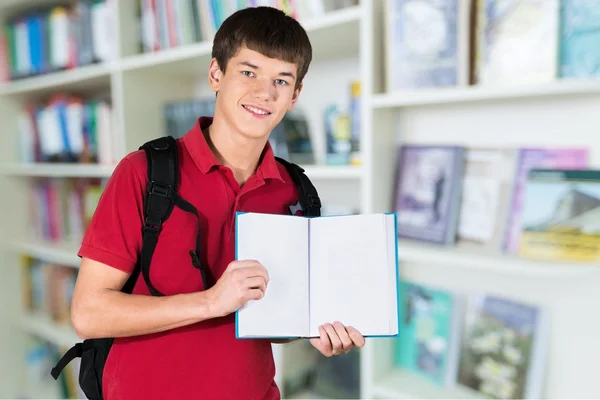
(163, 177)
(161, 196)
(74, 352)
(309, 202)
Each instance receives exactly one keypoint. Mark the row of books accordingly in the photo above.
(40, 357)
(342, 130)
(67, 128)
(535, 202)
(168, 24)
(55, 38)
(499, 42)
(291, 138)
(61, 208)
(47, 295)
(493, 345)
(48, 289)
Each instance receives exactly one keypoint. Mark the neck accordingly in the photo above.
(241, 154)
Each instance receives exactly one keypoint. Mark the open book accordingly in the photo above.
(321, 270)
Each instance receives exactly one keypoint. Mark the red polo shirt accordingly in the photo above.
(203, 360)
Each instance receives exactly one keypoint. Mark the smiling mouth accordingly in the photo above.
(257, 112)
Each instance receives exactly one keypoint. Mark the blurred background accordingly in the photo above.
(475, 120)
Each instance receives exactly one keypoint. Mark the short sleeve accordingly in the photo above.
(114, 236)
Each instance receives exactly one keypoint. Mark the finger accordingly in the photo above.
(256, 283)
(243, 264)
(254, 294)
(241, 275)
(336, 343)
(324, 342)
(357, 338)
(347, 343)
(254, 271)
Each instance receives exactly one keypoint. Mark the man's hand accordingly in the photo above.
(243, 280)
(336, 339)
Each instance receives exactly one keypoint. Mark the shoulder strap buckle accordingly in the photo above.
(160, 190)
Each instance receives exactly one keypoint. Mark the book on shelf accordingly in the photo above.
(487, 191)
(561, 215)
(579, 54)
(60, 210)
(169, 24)
(429, 340)
(427, 43)
(321, 270)
(57, 37)
(489, 42)
(503, 349)
(428, 192)
(67, 129)
(516, 41)
(528, 159)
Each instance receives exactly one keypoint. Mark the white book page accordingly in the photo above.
(280, 243)
(349, 273)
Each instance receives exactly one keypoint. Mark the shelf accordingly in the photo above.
(425, 253)
(333, 171)
(182, 59)
(333, 35)
(82, 79)
(16, 6)
(400, 384)
(440, 96)
(58, 170)
(59, 253)
(45, 328)
(305, 394)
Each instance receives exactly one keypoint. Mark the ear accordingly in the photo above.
(295, 96)
(214, 75)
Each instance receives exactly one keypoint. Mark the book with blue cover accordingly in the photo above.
(321, 270)
(429, 338)
(579, 38)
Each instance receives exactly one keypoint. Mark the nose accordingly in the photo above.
(263, 89)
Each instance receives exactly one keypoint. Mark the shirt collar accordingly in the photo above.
(205, 160)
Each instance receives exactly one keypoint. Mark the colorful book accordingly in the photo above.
(579, 38)
(561, 215)
(503, 348)
(429, 332)
(530, 158)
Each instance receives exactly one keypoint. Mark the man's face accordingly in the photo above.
(255, 92)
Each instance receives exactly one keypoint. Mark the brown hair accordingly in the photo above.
(266, 30)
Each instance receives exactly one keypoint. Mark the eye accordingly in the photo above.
(248, 73)
(281, 82)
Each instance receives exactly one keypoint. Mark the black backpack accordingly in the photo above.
(160, 199)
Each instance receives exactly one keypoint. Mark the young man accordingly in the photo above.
(182, 344)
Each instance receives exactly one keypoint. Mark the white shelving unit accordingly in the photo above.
(348, 44)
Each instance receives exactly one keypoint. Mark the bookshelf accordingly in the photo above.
(348, 44)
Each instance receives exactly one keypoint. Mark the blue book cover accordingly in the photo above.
(427, 343)
(579, 38)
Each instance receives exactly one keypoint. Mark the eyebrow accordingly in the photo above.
(250, 65)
